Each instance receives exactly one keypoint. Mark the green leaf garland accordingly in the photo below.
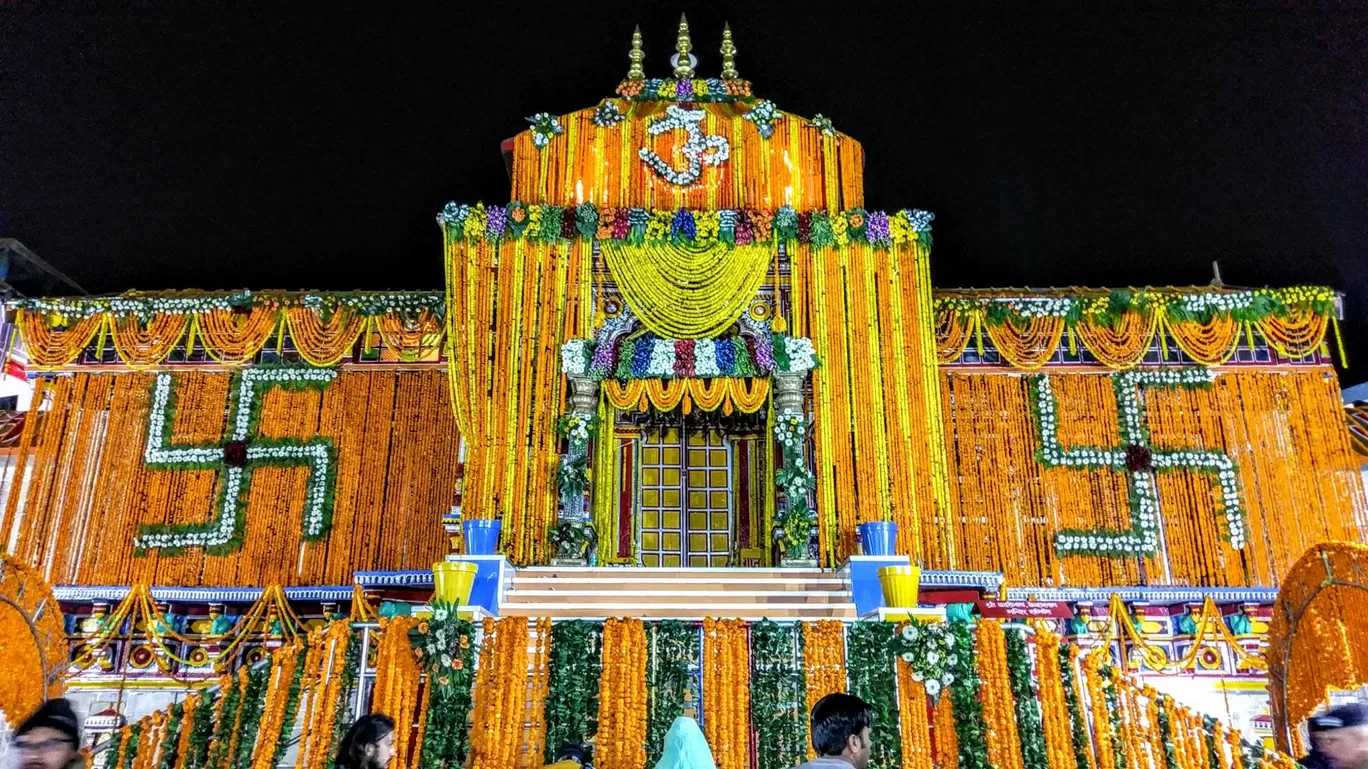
(1166, 732)
(252, 704)
(447, 645)
(1078, 727)
(223, 727)
(342, 715)
(171, 736)
(201, 731)
(970, 729)
(672, 648)
(873, 679)
(1027, 699)
(575, 666)
(292, 704)
(778, 695)
(130, 750)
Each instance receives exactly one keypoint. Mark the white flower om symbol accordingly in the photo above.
(695, 150)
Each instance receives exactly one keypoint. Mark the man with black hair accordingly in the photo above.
(1339, 739)
(841, 726)
(50, 738)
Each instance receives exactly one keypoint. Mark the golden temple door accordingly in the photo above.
(685, 500)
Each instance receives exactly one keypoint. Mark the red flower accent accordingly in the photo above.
(235, 453)
(743, 228)
(1139, 458)
(621, 225)
(684, 357)
(568, 222)
(805, 227)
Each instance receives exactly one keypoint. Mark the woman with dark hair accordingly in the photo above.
(369, 743)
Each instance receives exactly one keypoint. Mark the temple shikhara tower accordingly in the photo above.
(688, 432)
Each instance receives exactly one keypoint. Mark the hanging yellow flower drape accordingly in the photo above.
(236, 338)
(726, 691)
(725, 394)
(684, 291)
(878, 428)
(509, 307)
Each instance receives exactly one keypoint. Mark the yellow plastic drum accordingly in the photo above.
(452, 581)
(900, 586)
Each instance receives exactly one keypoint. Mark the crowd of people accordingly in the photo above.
(841, 730)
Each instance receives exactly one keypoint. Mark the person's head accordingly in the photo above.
(841, 728)
(50, 738)
(369, 743)
(1341, 735)
(574, 752)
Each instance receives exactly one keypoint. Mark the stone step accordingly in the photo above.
(669, 596)
(690, 585)
(716, 574)
(694, 611)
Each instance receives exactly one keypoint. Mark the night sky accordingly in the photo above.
(291, 145)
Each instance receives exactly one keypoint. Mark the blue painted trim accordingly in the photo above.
(1146, 594)
(199, 594)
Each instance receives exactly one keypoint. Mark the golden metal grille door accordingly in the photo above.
(684, 498)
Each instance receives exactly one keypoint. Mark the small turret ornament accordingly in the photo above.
(683, 61)
(635, 72)
(728, 55)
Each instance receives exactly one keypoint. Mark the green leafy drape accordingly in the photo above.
(672, 647)
(576, 663)
(970, 730)
(778, 695)
(872, 677)
(1029, 725)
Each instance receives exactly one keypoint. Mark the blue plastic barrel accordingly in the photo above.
(481, 536)
(879, 538)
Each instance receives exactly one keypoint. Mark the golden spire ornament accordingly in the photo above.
(683, 61)
(635, 72)
(728, 55)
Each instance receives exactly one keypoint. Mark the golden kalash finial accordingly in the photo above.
(637, 56)
(728, 55)
(683, 61)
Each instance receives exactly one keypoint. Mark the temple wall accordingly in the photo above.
(85, 489)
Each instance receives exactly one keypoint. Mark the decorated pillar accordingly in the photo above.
(574, 535)
(794, 528)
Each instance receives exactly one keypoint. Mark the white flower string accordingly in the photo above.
(222, 533)
(1143, 537)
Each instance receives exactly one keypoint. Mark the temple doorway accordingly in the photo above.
(686, 497)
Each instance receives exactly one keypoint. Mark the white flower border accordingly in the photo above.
(1143, 538)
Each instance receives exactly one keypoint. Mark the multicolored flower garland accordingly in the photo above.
(650, 357)
(687, 227)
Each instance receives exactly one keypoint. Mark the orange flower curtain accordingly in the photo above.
(87, 489)
(509, 307)
(877, 429)
(797, 166)
(1283, 429)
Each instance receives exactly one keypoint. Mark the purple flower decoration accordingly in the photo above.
(764, 354)
(683, 89)
(877, 231)
(683, 225)
(497, 223)
(602, 361)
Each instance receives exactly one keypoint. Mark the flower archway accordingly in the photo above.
(32, 640)
(1322, 608)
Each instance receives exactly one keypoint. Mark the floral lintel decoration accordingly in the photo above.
(545, 127)
(823, 123)
(608, 115)
(764, 115)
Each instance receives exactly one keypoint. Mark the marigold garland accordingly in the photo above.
(1004, 743)
(824, 660)
(726, 691)
(533, 752)
(1054, 707)
(621, 737)
(946, 741)
(285, 661)
(498, 717)
(397, 676)
(914, 724)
